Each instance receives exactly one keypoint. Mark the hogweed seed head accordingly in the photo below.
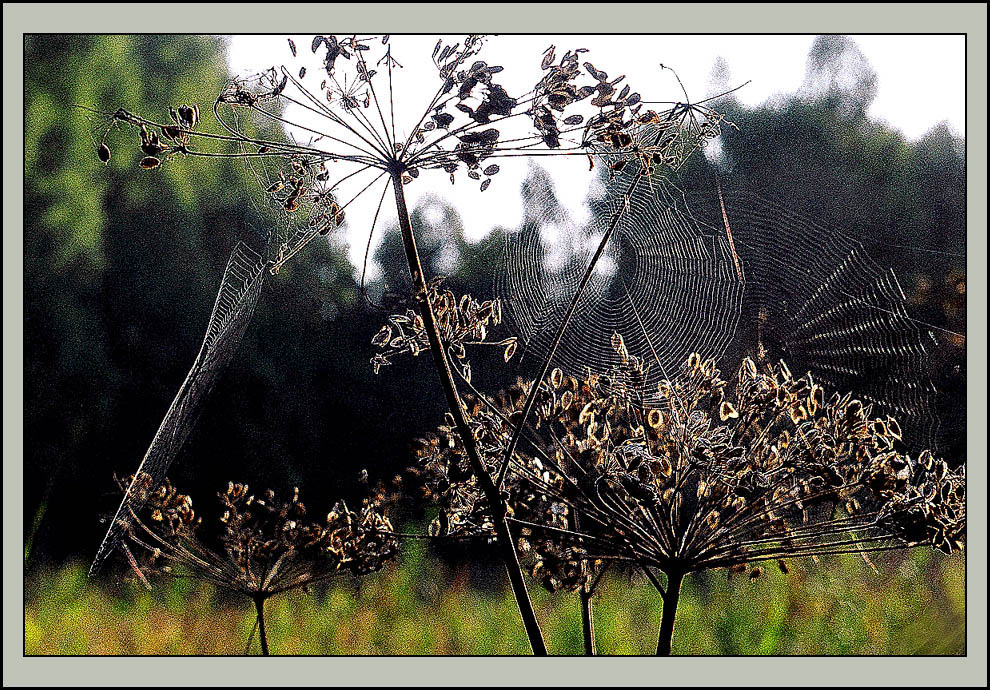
(349, 137)
(711, 473)
(462, 323)
(268, 545)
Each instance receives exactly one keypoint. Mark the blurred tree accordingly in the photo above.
(440, 238)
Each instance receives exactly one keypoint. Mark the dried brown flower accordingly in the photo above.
(710, 473)
(267, 545)
(462, 323)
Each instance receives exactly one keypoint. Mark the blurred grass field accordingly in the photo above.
(915, 604)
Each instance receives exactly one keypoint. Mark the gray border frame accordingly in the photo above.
(969, 18)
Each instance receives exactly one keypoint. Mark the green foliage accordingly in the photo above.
(72, 195)
(914, 604)
(77, 213)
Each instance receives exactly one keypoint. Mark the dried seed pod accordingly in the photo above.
(654, 418)
(727, 411)
(510, 349)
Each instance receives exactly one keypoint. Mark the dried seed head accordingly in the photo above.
(714, 475)
(268, 543)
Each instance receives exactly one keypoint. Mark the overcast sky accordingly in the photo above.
(920, 80)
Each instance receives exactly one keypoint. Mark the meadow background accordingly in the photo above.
(913, 604)
(120, 273)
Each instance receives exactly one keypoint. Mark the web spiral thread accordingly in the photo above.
(664, 284)
(816, 298)
(678, 277)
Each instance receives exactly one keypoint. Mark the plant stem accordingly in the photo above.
(503, 537)
(587, 621)
(670, 598)
(584, 594)
(247, 647)
(259, 605)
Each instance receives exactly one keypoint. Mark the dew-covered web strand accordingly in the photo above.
(296, 230)
(665, 283)
(232, 311)
(758, 280)
(816, 298)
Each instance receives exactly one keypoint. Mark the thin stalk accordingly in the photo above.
(531, 398)
(584, 594)
(247, 648)
(503, 537)
(259, 605)
(673, 593)
(587, 620)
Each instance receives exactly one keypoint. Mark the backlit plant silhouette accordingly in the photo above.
(354, 145)
(712, 473)
(267, 545)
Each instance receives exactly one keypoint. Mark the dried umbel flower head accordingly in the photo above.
(358, 137)
(710, 473)
(169, 510)
(462, 323)
(268, 545)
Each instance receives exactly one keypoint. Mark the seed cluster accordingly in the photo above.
(158, 141)
(574, 108)
(711, 473)
(461, 323)
(172, 510)
(269, 545)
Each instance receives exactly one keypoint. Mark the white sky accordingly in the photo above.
(921, 82)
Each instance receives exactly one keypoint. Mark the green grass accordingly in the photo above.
(915, 604)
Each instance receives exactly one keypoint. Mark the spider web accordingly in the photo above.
(677, 278)
(239, 290)
(331, 186)
(665, 283)
(290, 232)
(816, 298)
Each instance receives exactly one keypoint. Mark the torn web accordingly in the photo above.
(816, 298)
(239, 290)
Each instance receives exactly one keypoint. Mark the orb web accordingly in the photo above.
(240, 287)
(817, 299)
(665, 283)
(679, 277)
